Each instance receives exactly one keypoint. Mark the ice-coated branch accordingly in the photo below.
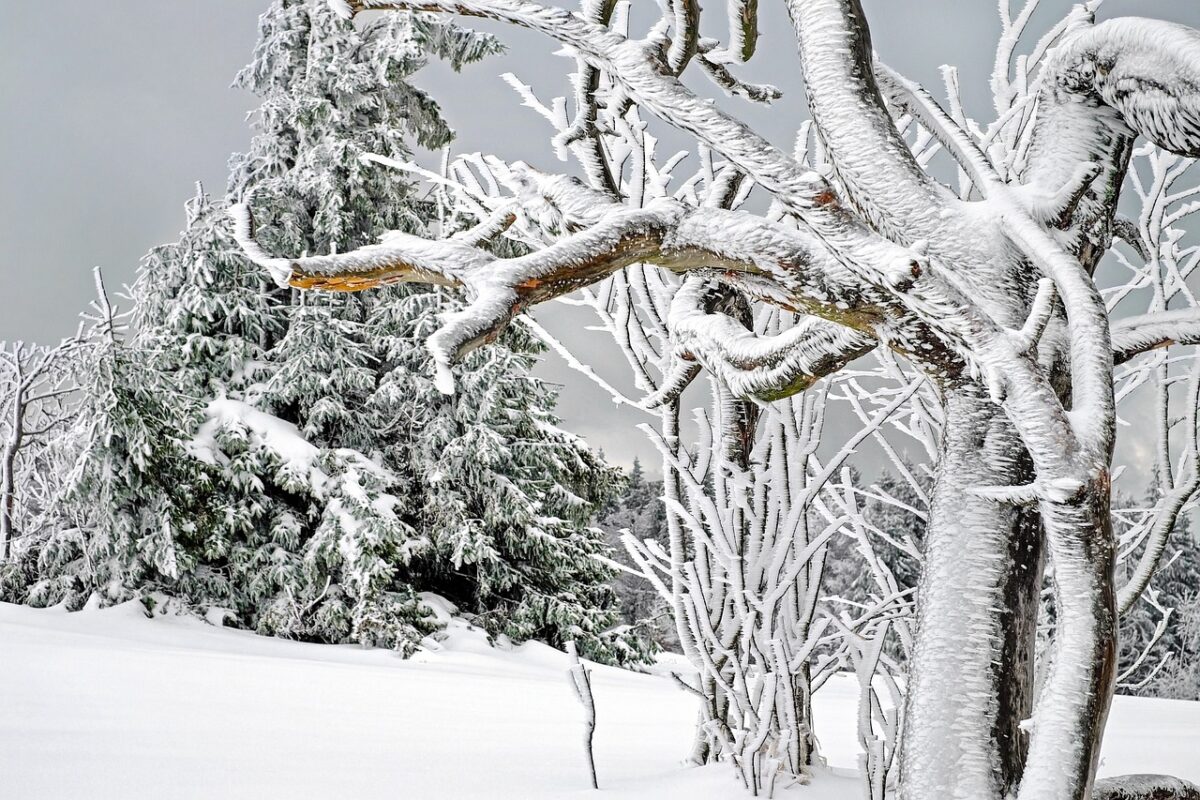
(640, 76)
(761, 367)
(582, 135)
(685, 35)
(1133, 336)
(1146, 71)
(882, 178)
(1170, 505)
(743, 28)
(723, 77)
(773, 262)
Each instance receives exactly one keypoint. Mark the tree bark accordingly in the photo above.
(971, 676)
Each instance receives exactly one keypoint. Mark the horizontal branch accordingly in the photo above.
(1133, 336)
(1145, 787)
(770, 261)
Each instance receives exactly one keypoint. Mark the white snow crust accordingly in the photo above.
(109, 704)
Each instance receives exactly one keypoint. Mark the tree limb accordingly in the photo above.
(766, 260)
(761, 367)
(872, 160)
(1133, 336)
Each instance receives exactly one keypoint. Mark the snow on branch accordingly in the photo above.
(1145, 787)
(894, 192)
(760, 367)
(773, 262)
(1133, 336)
(1146, 69)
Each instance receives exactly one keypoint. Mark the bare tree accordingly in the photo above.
(751, 644)
(36, 388)
(989, 291)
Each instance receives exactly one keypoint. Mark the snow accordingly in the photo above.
(108, 704)
(280, 437)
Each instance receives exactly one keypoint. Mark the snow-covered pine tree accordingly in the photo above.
(201, 310)
(508, 496)
(208, 323)
(640, 510)
(347, 483)
(134, 505)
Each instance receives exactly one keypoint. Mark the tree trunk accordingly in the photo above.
(7, 497)
(1068, 724)
(971, 676)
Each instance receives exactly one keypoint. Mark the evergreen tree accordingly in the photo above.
(203, 312)
(639, 509)
(134, 505)
(286, 458)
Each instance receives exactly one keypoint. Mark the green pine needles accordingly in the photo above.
(285, 460)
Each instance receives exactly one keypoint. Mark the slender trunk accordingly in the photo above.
(1018, 662)
(8, 467)
(971, 676)
(1072, 710)
(7, 499)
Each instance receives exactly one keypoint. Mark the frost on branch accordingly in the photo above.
(767, 368)
(1145, 787)
(989, 291)
(779, 264)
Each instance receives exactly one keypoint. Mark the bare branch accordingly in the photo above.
(767, 260)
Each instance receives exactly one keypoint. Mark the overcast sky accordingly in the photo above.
(113, 109)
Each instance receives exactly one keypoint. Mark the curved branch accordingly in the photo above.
(761, 367)
(1103, 86)
(1167, 513)
(1147, 70)
(1168, 508)
(872, 160)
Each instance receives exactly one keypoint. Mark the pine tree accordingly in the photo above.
(203, 312)
(498, 496)
(134, 503)
(287, 458)
(508, 501)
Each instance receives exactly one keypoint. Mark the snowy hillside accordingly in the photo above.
(108, 704)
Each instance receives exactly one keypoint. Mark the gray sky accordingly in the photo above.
(113, 109)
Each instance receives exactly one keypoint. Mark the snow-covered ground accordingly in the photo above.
(109, 704)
